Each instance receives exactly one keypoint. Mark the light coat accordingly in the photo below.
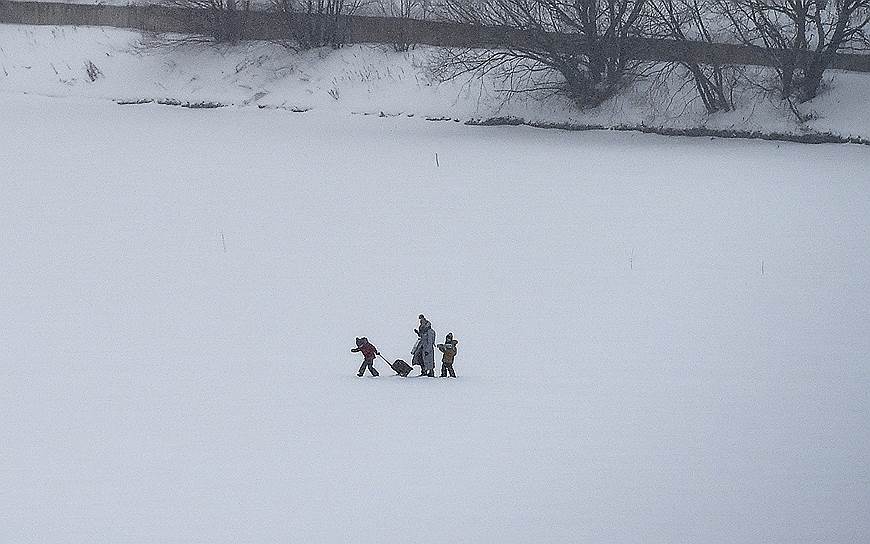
(424, 350)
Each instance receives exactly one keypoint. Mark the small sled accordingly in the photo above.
(400, 367)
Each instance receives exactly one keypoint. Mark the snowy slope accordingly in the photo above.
(372, 79)
(627, 372)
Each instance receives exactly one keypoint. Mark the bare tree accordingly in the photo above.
(323, 22)
(403, 10)
(221, 20)
(581, 41)
(810, 32)
(685, 20)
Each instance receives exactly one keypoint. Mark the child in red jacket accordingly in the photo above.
(369, 352)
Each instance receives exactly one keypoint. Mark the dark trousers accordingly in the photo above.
(367, 364)
(445, 368)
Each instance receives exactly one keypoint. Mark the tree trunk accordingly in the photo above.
(813, 78)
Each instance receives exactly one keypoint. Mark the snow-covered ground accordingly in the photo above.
(181, 288)
(54, 61)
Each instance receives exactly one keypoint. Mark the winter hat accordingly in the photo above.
(450, 336)
(359, 342)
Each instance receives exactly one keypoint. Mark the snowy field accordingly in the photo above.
(662, 340)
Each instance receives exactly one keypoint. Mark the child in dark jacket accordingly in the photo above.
(448, 348)
(369, 352)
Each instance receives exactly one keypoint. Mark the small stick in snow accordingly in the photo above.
(224, 241)
(762, 267)
(436, 160)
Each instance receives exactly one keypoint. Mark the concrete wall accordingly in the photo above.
(354, 29)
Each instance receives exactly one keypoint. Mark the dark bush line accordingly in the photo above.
(294, 109)
(809, 138)
(202, 105)
(134, 102)
(172, 102)
(695, 132)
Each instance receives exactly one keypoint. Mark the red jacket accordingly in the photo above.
(368, 351)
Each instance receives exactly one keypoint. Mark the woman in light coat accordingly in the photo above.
(423, 353)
